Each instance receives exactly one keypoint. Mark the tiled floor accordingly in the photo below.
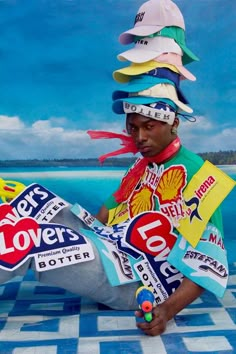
(40, 319)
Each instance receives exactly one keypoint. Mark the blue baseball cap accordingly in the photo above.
(153, 94)
(143, 82)
(165, 73)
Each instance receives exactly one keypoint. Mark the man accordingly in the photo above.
(151, 138)
(158, 143)
(163, 157)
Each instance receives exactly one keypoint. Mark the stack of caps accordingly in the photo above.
(157, 63)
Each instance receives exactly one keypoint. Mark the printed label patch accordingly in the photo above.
(206, 264)
(17, 241)
(118, 266)
(27, 239)
(118, 259)
(64, 256)
(170, 192)
(150, 279)
(203, 195)
(160, 188)
(37, 202)
(114, 233)
(25, 232)
(151, 234)
(171, 184)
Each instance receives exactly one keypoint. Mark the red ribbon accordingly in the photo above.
(131, 179)
(126, 141)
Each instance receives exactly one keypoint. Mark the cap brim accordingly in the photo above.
(139, 87)
(174, 62)
(138, 55)
(119, 94)
(125, 74)
(127, 37)
(183, 106)
(122, 75)
(188, 55)
(117, 107)
(185, 74)
(150, 48)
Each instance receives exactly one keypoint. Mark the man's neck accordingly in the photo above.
(165, 155)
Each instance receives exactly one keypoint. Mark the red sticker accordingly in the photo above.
(17, 240)
(5, 209)
(151, 233)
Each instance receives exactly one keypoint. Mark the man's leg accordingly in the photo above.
(89, 278)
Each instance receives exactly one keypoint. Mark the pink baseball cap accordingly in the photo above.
(151, 17)
(176, 60)
(149, 48)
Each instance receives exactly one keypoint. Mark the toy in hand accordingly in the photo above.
(145, 299)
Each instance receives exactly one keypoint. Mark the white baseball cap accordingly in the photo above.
(165, 91)
(151, 17)
(149, 48)
(175, 60)
(151, 95)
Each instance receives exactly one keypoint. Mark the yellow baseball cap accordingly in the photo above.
(124, 75)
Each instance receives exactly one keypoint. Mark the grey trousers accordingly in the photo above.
(86, 279)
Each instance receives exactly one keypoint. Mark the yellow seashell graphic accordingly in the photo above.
(141, 200)
(171, 183)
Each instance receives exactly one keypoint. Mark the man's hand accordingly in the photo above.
(158, 324)
(102, 215)
(186, 293)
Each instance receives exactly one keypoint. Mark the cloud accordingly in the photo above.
(204, 136)
(224, 140)
(54, 138)
(10, 123)
(202, 124)
(50, 139)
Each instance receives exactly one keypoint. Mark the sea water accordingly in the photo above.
(91, 186)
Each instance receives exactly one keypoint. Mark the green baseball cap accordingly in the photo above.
(178, 34)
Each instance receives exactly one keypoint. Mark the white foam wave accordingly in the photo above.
(63, 174)
(228, 168)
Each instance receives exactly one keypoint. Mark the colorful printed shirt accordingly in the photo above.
(161, 188)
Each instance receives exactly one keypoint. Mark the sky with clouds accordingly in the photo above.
(56, 64)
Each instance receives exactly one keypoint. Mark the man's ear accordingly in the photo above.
(176, 122)
(174, 127)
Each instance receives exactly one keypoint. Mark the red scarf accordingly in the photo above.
(131, 179)
(126, 141)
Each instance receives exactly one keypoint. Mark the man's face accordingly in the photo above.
(149, 135)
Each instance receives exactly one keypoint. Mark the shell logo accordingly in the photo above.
(171, 184)
(141, 200)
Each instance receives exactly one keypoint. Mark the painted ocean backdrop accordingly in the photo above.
(91, 186)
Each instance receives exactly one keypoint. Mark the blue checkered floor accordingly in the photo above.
(40, 319)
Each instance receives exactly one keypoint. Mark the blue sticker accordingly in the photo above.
(206, 264)
(118, 266)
